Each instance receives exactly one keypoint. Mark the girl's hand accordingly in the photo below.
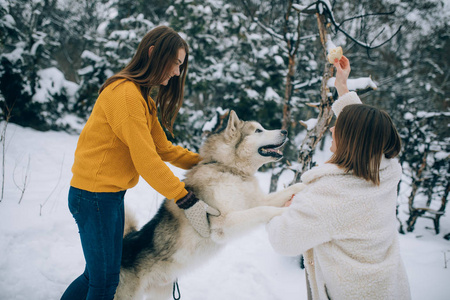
(287, 204)
(342, 72)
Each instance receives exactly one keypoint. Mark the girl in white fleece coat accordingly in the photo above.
(344, 221)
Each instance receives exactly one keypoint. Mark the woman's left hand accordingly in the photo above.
(197, 212)
(287, 204)
(342, 72)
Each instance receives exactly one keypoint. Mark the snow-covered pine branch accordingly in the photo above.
(356, 84)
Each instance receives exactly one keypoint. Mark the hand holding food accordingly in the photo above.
(334, 53)
(342, 72)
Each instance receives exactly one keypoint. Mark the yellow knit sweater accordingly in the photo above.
(122, 140)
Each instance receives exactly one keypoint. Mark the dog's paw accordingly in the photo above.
(298, 187)
(278, 211)
(275, 212)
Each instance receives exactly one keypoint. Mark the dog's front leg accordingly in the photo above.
(238, 222)
(281, 197)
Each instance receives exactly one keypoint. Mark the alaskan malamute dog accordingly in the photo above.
(168, 246)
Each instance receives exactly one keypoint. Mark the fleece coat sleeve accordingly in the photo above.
(300, 228)
(346, 99)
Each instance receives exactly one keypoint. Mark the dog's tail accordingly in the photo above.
(130, 222)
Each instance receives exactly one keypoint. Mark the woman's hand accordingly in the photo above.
(342, 72)
(197, 212)
(287, 204)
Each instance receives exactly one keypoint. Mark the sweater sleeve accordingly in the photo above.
(343, 101)
(135, 133)
(126, 114)
(176, 155)
(300, 228)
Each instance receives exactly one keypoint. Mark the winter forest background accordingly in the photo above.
(263, 59)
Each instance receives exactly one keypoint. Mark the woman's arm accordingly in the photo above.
(176, 155)
(345, 96)
(300, 228)
(342, 72)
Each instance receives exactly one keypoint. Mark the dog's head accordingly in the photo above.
(244, 145)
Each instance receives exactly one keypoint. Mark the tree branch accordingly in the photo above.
(267, 30)
(329, 14)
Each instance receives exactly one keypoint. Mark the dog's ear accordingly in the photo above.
(232, 125)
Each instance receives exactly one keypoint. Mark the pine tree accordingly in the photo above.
(32, 33)
(233, 64)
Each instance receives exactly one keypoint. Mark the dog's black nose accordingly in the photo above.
(283, 132)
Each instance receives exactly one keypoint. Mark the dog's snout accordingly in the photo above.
(283, 132)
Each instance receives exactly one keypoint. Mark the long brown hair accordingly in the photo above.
(362, 135)
(148, 71)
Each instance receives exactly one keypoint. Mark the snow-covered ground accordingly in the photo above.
(41, 253)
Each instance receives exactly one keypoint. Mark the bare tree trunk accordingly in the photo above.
(325, 113)
(416, 182)
(288, 93)
(292, 48)
(3, 140)
(274, 181)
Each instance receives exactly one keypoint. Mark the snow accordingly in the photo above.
(39, 38)
(278, 60)
(101, 29)
(442, 155)
(16, 55)
(52, 82)
(408, 116)
(8, 21)
(211, 124)
(330, 44)
(41, 252)
(76, 123)
(355, 83)
(252, 93)
(309, 124)
(299, 7)
(91, 56)
(424, 114)
(86, 70)
(122, 35)
(271, 95)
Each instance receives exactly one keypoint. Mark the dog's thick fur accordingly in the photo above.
(168, 246)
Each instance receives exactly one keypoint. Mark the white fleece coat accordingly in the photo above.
(346, 228)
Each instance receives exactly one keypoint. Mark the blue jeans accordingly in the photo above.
(100, 220)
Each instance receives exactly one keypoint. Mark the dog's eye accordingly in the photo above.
(258, 130)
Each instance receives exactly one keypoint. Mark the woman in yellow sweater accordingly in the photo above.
(121, 141)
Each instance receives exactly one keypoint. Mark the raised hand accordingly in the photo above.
(342, 72)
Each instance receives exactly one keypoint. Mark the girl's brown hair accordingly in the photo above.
(148, 71)
(362, 135)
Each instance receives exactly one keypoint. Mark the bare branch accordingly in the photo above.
(367, 15)
(297, 44)
(25, 180)
(300, 85)
(264, 27)
(3, 141)
(54, 189)
(337, 26)
(314, 135)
